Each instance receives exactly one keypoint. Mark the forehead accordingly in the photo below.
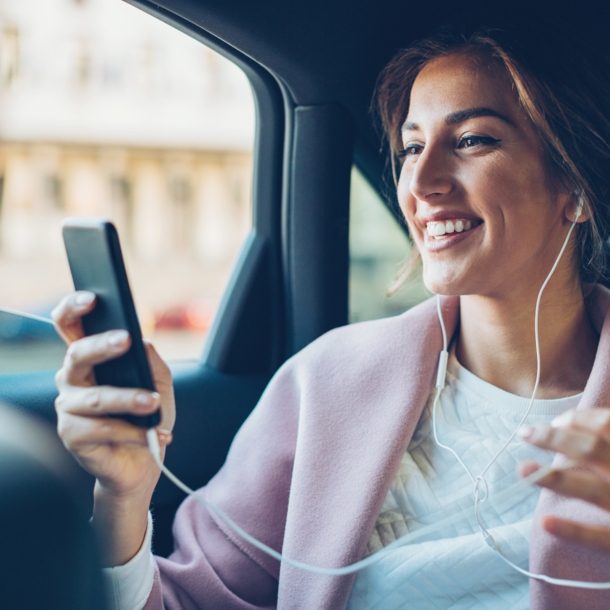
(459, 82)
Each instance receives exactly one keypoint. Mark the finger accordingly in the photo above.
(81, 433)
(583, 485)
(575, 443)
(163, 383)
(592, 536)
(528, 468)
(158, 367)
(68, 313)
(83, 354)
(99, 401)
(593, 420)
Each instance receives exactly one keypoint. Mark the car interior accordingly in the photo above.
(49, 558)
(312, 67)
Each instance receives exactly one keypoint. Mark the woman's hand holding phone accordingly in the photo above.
(111, 449)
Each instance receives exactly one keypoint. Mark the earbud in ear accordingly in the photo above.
(580, 205)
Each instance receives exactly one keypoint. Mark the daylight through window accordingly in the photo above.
(106, 111)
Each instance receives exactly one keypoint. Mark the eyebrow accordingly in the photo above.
(463, 115)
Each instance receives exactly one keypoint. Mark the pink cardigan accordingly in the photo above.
(308, 472)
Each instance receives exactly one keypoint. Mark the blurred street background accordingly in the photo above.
(106, 111)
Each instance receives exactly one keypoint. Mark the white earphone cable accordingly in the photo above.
(440, 384)
(481, 477)
(507, 494)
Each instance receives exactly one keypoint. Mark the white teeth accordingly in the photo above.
(438, 229)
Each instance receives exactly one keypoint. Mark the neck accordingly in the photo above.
(496, 339)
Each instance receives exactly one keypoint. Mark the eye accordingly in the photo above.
(410, 150)
(473, 141)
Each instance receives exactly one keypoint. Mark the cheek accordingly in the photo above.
(405, 199)
(408, 204)
(514, 206)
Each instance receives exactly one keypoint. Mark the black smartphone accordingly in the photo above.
(96, 263)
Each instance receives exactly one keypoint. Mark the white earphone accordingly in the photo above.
(153, 444)
(580, 205)
(480, 479)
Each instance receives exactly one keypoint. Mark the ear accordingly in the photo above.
(576, 209)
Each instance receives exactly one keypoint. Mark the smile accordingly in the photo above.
(444, 227)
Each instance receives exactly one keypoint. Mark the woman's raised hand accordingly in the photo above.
(112, 450)
(583, 436)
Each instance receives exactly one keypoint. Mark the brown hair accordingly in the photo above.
(566, 96)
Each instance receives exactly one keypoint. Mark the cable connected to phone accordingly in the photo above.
(507, 494)
(478, 481)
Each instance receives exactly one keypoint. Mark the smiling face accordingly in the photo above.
(473, 186)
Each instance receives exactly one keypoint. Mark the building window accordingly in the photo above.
(120, 189)
(121, 206)
(9, 55)
(52, 189)
(180, 189)
(82, 67)
(181, 193)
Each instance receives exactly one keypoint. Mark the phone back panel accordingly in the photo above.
(96, 263)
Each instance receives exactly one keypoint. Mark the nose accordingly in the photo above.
(430, 175)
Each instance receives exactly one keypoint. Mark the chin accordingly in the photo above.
(447, 283)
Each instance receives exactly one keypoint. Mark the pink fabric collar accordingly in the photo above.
(334, 502)
(388, 366)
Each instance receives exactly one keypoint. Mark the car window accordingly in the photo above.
(378, 247)
(106, 111)
(28, 343)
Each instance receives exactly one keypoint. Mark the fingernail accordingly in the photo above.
(551, 525)
(84, 298)
(144, 401)
(526, 432)
(165, 439)
(164, 431)
(117, 337)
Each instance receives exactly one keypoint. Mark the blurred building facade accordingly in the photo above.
(105, 110)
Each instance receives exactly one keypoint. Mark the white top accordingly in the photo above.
(128, 586)
(452, 568)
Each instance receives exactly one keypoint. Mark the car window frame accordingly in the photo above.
(258, 266)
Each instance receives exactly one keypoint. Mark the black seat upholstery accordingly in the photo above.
(47, 555)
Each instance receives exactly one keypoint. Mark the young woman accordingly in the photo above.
(500, 156)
